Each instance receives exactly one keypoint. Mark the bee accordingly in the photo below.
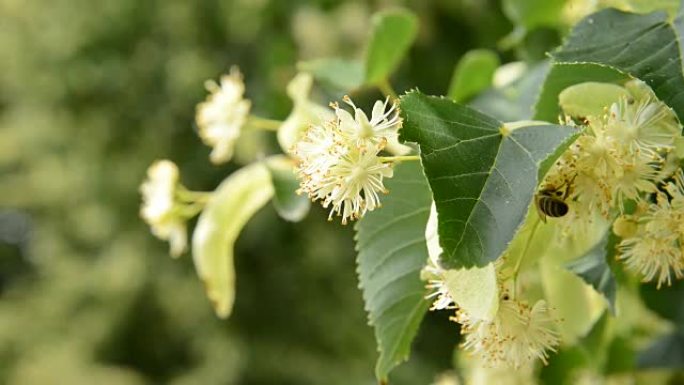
(550, 201)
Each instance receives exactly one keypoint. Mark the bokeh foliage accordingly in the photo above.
(90, 94)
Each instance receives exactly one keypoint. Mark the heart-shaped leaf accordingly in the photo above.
(643, 46)
(482, 173)
(392, 251)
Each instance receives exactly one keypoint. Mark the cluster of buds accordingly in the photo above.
(167, 205)
(222, 115)
(339, 162)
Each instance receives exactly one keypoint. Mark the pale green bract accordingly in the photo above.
(474, 290)
(590, 98)
(233, 203)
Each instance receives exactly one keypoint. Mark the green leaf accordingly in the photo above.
(574, 101)
(393, 33)
(666, 352)
(534, 13)
(392, 251)
(473, 74)
(667, 301)
(643, 46)
(482, 174)
(233, 203)
(563, 75)
(345, 75)
(594, 270)
(290, 206)
(513, 101)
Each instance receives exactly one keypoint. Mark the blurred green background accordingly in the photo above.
(90, 94)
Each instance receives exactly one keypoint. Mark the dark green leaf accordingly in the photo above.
(563, 365)
(666, 352)
(643, 46)
(345, 75)
(482, 175)
(594, 270)
(563, 75)
(392, 36)
(473, 74)
(621, 355)
(290, 206)
(668, 301)
(678, 24)
(513, 101)
(392, 250)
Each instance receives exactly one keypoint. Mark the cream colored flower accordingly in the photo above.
(654, 249)
(620, 156)
(222, 115)
(160, 209)
(351, 185)
(644, 125)
(383, 126)
(518, 335)
(344, 171)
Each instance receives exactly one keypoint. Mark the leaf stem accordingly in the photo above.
(386, 88)
(518, 263)
(185, 195)
(263, 123)
(399, 158)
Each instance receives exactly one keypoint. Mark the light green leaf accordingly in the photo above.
(392, 251)
(530, 14)
(563, 75)
(589, 98)
(594, 270)
(345, 75)
(290, 206)
(393, 33)
(473, 74)
(643, 46)
(482, 174)
(474, 290)
(233, 203)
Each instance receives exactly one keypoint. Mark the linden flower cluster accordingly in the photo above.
(515, 336)
(627, 155)
(619, 156)
(221, 116)
(167, 205)
(339, 162)
(654, 236)
(518, 334)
